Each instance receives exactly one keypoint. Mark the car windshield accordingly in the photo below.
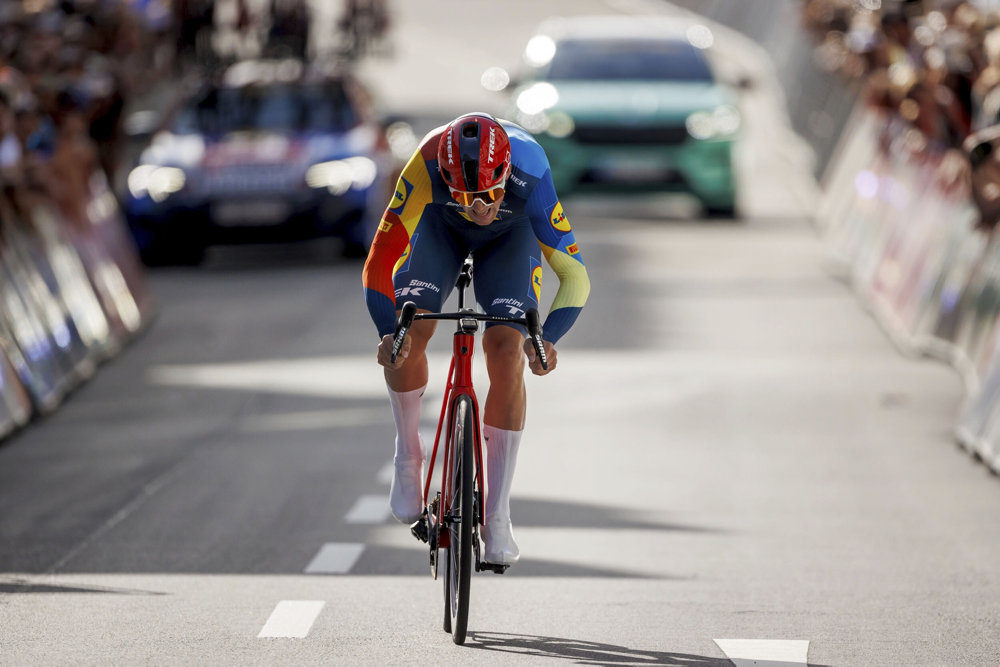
(276, 108)
(627, 59)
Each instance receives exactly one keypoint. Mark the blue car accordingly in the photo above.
(269, 154)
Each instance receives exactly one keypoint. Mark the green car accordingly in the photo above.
(627, 104)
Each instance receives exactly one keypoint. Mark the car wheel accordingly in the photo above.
(721, 212)
(162, 255)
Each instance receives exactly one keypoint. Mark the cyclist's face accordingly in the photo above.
(483, 214)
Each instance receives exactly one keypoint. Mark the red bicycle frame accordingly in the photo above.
(459, 382)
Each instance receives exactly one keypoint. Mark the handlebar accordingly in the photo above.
(408, 314)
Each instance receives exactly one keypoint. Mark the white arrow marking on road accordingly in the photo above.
(335, 558)
(369, 509)
(765, 652)
(292, 618)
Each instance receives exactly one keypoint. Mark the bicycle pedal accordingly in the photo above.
(419, 529)
(495, 568)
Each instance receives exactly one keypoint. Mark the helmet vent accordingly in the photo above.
(498, 172)
(470, 169)
(470, 130)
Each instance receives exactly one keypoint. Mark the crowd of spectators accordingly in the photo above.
(71, 287)
(931, 68)
(66, 72)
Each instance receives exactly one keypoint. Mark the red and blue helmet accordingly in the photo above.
(474, 154)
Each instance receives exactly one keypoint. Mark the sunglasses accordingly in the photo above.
(486, 196)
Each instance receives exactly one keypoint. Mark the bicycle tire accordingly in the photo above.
(458, 568)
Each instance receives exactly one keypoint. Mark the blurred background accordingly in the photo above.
(785, 206)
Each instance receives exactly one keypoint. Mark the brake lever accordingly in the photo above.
(535, 333)
(402, 326)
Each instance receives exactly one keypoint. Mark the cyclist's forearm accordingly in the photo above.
(380, 296)
(574, 288)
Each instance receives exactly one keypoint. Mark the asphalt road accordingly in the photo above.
(730, 450)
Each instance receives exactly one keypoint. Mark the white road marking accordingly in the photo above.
(335, 558)
(369, 509)
(765, 652)
(292, 618)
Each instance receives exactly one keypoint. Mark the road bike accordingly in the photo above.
(451, 520)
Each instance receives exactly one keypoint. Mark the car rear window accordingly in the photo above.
(276, 108)
(627, 59)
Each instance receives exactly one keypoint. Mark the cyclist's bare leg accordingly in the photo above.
(506, 401)
(413, 374)
(406, 387)
(504, 422)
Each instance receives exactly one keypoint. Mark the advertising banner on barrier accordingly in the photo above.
(70, 296)
(910, 241)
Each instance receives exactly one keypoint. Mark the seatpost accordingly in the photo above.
(464, 280)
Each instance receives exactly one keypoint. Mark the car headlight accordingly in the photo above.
(557, 124)
(723, 121)
(155, 181)
(339, 176)
(536, 99)
(560, 124)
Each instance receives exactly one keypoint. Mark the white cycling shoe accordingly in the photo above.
(500, 547)
(406, 492)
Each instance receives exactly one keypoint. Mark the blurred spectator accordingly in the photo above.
(74, 161)
(362, 24)
(10, 147)
(288, 36)
(931, 68)
(983, 150)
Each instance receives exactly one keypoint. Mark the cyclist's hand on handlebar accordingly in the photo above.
(534, 363)
(385, 352)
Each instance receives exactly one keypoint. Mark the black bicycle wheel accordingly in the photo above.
(458, 568)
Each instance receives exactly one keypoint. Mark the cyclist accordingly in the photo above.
(478, 185)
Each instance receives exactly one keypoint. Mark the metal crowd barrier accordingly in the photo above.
(71, 295)
(906, 236)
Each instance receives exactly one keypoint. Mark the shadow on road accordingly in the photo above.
(583, 652)
(391, 561)
(22, 586)
(544, 513)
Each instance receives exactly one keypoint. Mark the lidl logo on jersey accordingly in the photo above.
(403, 190)
(536, 280)
(558, 218)
(403, 263)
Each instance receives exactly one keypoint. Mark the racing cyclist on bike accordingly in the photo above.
(482, 186)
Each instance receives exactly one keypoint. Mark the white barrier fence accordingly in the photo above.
(904, 229)
(72, 293)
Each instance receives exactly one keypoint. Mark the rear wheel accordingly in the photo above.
(458, 561)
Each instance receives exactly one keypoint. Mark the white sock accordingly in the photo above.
(501, 459)
(406, 414)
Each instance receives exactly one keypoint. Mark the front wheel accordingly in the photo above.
(458, 562)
